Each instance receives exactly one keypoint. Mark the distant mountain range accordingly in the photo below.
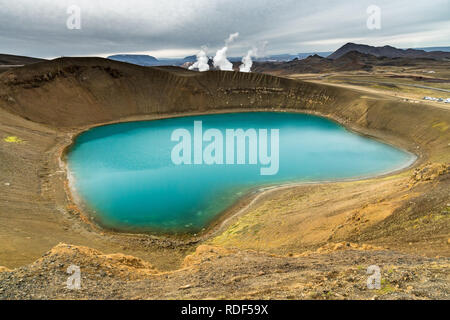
(146, 60)
(289, 57)
(388, 51)
(316, 64)
(445, 49)
(301, 62)
(283, 56)
(140, 59)
(350, 61)
(192, 58)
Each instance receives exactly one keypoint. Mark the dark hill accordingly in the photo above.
(316, 64)
(9, 59)
(388, 51)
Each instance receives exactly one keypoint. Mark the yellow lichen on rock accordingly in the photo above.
(13, 139)
(442, 126)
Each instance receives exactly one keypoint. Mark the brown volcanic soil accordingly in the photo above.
(214, 272)
(9, 61)
(310, 241)
(350, 61)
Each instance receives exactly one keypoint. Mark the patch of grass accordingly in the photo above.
(386, 288)
(442, 126)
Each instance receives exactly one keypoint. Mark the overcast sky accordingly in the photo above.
(176, 28)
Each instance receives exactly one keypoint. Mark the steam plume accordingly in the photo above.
(256, 52)
(261, 49)
(231, 38)
(202, 61)
(220, 60)
(247, 62)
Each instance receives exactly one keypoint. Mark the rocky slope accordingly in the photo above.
(334, 272)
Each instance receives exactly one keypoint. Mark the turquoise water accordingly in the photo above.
(125, 176)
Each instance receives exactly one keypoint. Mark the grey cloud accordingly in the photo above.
(38, 28)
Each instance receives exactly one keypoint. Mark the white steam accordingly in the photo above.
(261, 49)
(202, 61)
(256, 52)
(247, 62)
(220, 59)
(231, 38)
